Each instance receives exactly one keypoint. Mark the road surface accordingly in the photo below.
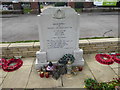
(25, 27)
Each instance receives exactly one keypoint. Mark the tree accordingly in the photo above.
(39, 7)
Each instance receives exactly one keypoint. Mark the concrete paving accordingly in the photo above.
(25, 27)
(27, 76)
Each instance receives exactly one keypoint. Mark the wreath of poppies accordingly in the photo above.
(115, 57)
(104, 59)
(67, 57)
(2, 61)
(6, 65)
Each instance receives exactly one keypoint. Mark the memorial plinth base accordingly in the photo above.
(41, 59)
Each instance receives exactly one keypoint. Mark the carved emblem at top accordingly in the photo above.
(59, 14)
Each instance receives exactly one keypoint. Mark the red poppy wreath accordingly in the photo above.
(104, 59)
(116, 57)
(9, 68)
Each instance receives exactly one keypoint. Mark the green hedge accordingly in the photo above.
(26, 10)
(79, 5)
(11, 12)
(60, 4)
(78, 10)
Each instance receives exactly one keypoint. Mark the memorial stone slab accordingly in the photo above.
(58, 35)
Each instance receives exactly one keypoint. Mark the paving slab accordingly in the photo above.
(36, 82)
(2, 73)
(83, 41)
(37, 44)
(12, 45)
(103, 40)
(78, 80)
(4, 45)
(28, 61)
(102, 73)
(117, 71)
(46, 89)
(1, 80)
(115, 65)
(17, 79)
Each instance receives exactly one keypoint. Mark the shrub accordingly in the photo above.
(78, 10)
(26, 10)
(10, 12)
(94, 85)
(79, 5)
(60, 4)
(41, 6)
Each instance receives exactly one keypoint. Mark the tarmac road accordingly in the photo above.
(25, 27)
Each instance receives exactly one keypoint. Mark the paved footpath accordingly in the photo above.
(27, 76)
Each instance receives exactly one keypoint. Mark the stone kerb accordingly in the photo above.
(20, 49)
(103, 45)
(88, 46)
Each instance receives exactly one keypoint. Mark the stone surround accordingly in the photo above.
(89, 46)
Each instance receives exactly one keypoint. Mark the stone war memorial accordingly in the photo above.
(59, 40)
